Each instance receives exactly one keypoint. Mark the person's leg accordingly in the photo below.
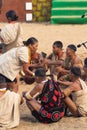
(33, 105)
(72, 106)
(35, 108)
(29, 106)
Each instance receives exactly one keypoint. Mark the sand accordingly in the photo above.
(46, 35)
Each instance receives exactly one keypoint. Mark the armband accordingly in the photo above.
(33, 74)
(28, 96)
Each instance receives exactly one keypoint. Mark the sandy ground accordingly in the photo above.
(47, 34)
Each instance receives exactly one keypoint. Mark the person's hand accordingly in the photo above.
(59, 81)
(59, 69)
(27, 96)
(47, 61)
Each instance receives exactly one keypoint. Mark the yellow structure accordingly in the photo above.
(41, 10)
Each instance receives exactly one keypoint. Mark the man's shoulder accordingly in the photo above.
(63, 57)
(77, 58)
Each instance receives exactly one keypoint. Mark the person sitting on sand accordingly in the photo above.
(37, 60)
(84, 74)
(50, 107)
(9, 106)
(56, 58)
(71, 60)
(78, 90)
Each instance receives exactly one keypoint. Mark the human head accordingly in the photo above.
(75, 72)
(11, 16)
(32, 43)
(40, 75)
(71, 49)
(57, 46)
(85, 62)
(85, 66)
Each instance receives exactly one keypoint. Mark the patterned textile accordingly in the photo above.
(53, 107)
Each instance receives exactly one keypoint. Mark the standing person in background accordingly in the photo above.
(11, 34)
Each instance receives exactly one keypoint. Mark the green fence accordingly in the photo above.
(68, 11)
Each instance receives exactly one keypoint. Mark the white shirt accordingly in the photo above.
(12, 61)
(12, 35)
(9, 109)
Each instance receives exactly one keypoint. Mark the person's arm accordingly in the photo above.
(36, 90)
(62, 70)
(36, 65)
(78, 63)
(68, 90)
(33, 92)
(68, 101)
(58, 62)
(1, 39)
(66, 83)
(72, 106)
(65, 78)
(26, 69)
(50, 62)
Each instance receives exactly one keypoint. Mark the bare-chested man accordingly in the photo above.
(84, 74)
(57, 57)
(78, 89)
(71, 60)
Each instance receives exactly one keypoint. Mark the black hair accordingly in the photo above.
(59, 44)
(85, 61)
(76, 71)
(40, 72)
(12, 15)
(31, 41)
(2, 82)
(73, 47)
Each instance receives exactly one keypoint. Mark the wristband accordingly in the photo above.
(33, 74)
(28, 96)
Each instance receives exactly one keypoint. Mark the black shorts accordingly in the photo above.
(6, 80)
(48, 117)
(40, 118)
